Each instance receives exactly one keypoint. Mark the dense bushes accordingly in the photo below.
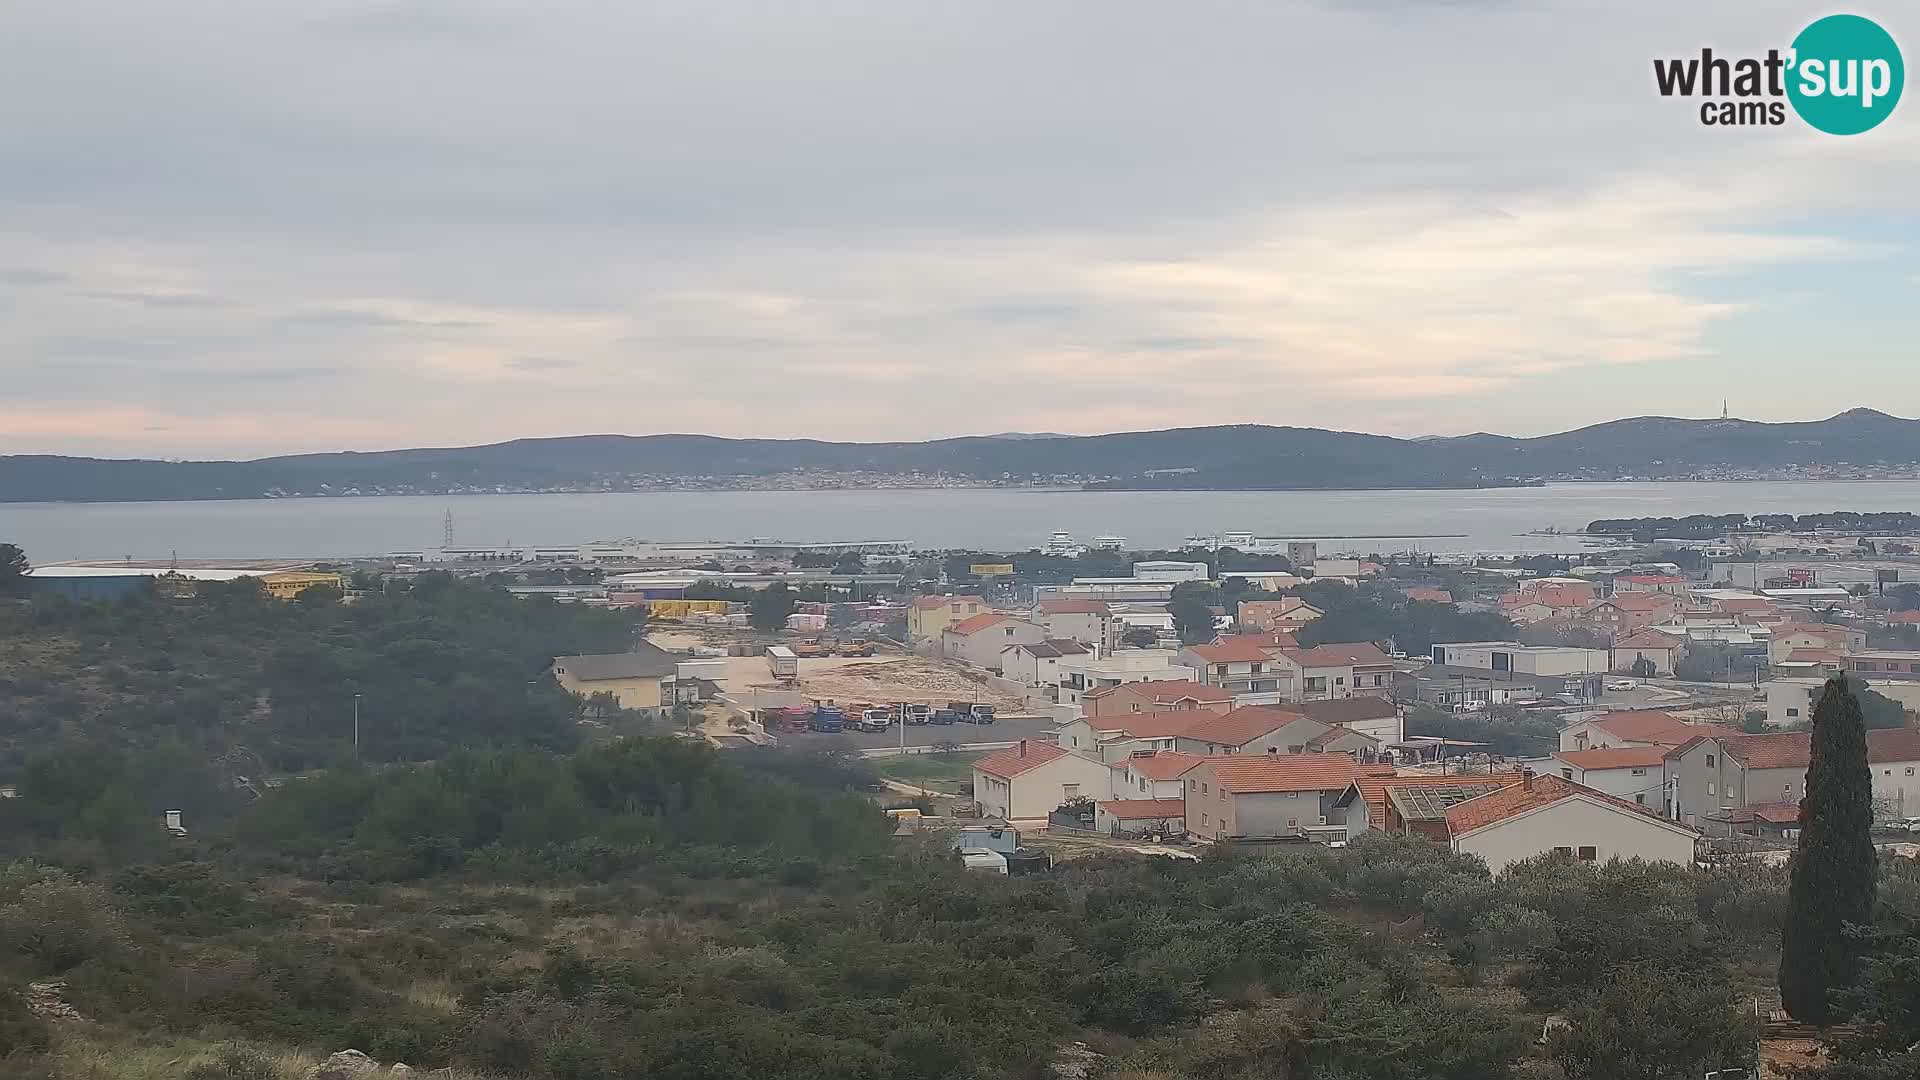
(438, 665)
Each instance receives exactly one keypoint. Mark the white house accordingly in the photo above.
(980, 639)
(1253, 729)
(1089, 622)
(1037, 664)
(1634, 773)
(1523, 659)
(1169, 570)
(1030, 779)
(1149, 774)
(1542, 814)
(1252, 673)
(1084, 674)
(1646, 646)
(1636, 727)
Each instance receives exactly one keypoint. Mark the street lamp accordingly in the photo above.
(356, 726)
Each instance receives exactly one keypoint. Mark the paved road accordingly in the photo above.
(1001, 731)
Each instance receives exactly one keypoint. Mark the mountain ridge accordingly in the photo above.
(1233, 456)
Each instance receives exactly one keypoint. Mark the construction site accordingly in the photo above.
(891, 675)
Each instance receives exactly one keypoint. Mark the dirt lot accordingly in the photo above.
(883, 678)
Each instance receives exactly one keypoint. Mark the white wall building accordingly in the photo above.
(1550, 814)
(1169, 570)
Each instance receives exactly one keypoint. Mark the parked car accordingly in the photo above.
(1621, 684)
(1470, 707)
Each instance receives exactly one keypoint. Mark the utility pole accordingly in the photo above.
(356, 727)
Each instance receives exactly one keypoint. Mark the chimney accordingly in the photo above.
(173, 823)
(1526, 779)
(1023, 748)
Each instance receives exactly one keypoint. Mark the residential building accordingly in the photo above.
(1115, 738)
(1712, 775)
(1272, 581)
(1359, 745)
(1884, 664)
(1245, 668)
(1141, 817)
(1089, 622)
(1339, 670)
(1472, 688)
(980, 640)
(1149, 774)
(1270, 795)
(1634, 773)
(1412, 805)
(1253, 729)
(1787, 637)
(1080, 675)
(1542, 814)
(1790, 700)
(1647, 652)
(1037, 664)
(1030, 779)
(1525, 659)
(1421, 594)
(1623, 613)
(1289, 612)
(635, 679)
(1169, 570)
(1375, 717)
(1155, 696)
(1633, 727)
(929, 616)
(1671, 584)
(1336, 568)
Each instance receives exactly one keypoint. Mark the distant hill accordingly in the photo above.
(1244, 456)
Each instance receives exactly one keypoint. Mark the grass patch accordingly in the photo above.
(951, 773)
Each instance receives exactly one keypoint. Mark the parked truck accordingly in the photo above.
(875, 719)
(782, 663)
(789, 719)
(810, 648)
(971, 712)
(856, 648)
(828, 719)
(917, 714)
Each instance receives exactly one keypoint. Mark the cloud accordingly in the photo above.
(893, 223)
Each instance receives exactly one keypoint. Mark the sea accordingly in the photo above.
(1499, 520)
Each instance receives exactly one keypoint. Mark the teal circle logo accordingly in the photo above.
(1846, 74)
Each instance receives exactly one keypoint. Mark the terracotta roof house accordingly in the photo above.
(1417, 805)
(981, 639)
(1270, 795)
(1028, 780)
(1378, 717)
(1541, 814)
(1422, 594)
(1150, 774)
(1634, 773)
(1254, 729)
(1637, 649)
(1637, 727)
(1710, 775)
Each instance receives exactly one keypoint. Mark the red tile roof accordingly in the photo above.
(1164, 690)
(1145, 809)
(1623, 757)
(1898, 618)
(1637, 601)
(1272, 639)
(1263, 773)
(975, 624)
(1337, 711)
(1074, 607)
(1655, 727)
(1647, 639)
(1813, 656)
(1150, 725)
(1373, 789)
(1652, 579)
(1344, 654)
(1232, 650)
(1773, 750)
(1242, 725)
(1893, 744)
(1021, 757)
(1779, 813)
(927, 602)
(1431, 596)
(1516, 799)
(1160, 764)
(1335, 734)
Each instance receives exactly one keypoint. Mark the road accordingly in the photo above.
(1001, 732)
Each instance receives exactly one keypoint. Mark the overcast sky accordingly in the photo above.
(240, 228)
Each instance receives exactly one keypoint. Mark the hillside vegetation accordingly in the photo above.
(438, 664)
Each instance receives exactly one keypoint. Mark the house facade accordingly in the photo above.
(1030, 779)
(980, 640)
(1635, 773)
(1634, 727)
(1141, 817)
(1154, 696)
(1252, 729)
(929, 616)
(1249, 671)
(1345, 670)
(1038, 664)
(637, 680)
(1261, 795)
(1636, 652)
(1542, 814)
(1089, 622)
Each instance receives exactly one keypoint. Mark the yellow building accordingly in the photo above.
(930, 616)
(287, 584)
(636, 679)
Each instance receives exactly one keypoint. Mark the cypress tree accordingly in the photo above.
(1833, 868)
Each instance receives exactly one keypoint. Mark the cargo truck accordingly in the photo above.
(828, 719)
(782, 662)
(971, 712)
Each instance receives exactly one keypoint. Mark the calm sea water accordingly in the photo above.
(1386, 521)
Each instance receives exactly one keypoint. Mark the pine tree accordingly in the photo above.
(1833, 869)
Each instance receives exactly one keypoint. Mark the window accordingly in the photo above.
(1203, 819)
(1275, 750)
(1638, 772)
(1563, 851)
(1071, 791)
(1567, 773)
(1589, 854)
(1136, 706)
(1293, 823)
(1909, 770)
(1339, 680)
(1793, 712)
(1710, 787)
(1641, 798)
(1709, 761)
(1203, 787)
